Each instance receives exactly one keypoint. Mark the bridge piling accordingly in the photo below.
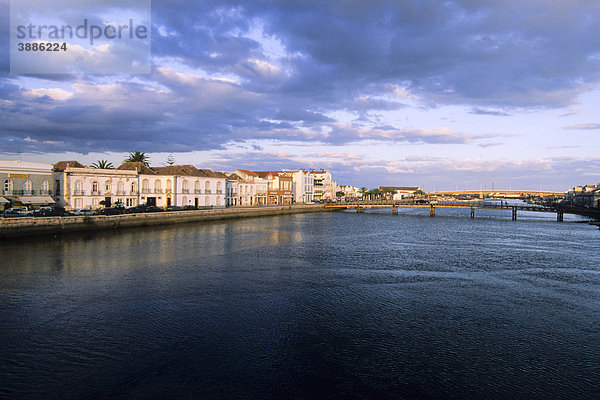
(394, 210)
(360, 210)
(432, 211)
(514, 213)
(472, 212)
(559, 216)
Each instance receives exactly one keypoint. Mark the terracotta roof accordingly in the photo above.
(219, 174)
(234, 177)
(137, 166)
(318, 172)
(185, 170)
(212, 174)
(62, 165)
(251, 173)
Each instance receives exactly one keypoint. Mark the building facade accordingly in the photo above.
(25, 183)
(78, 186)
(303, 186)
(324, 185)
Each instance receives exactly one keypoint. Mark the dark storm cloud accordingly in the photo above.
(356, 56)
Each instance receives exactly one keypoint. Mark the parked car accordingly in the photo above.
(23, 211)
(10, 213)
(112, 211)
(137, 209)
(154, 209)
(190, 207)
(175, 208)
(50, 212)
(82, 212)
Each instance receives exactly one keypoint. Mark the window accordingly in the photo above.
(184, 201)
(157, 186)
(27, 185)
(78, 203)
(121, 187)
(57, 187)
(218, 186)
(8, 185)
(185, 187)
(94, 187)
(207, 187)
(197, 186)
(133, 187)
(45, 187)
(218, 200)
(78, 188)
(145, 186)
(108, 186)
(169, 184)
(206, 201)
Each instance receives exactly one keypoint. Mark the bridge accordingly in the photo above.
(432, 205)
(481, 193)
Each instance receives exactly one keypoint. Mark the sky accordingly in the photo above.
(445, 95)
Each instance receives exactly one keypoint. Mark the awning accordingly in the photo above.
(3, 200)
(36, 200)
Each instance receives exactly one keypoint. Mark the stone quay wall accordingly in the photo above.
(29, 226)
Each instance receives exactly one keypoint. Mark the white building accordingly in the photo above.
(77, 186)
(25, 183)
(194, 187)
(350, 191)
(324, 185)
(303, 186)
(254, 189)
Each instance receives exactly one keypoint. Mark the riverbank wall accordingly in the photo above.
(31, 226)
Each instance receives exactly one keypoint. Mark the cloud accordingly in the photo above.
(481, 111)
(588, 126)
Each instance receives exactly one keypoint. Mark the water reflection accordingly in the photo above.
(305, 306)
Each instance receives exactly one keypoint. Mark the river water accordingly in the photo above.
(325, 305)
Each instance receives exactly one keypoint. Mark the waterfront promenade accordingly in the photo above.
(29, 226)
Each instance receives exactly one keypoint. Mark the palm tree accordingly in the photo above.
(364, 191)
(138, 156)
(102, 164)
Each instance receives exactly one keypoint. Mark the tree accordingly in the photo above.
(170, 160)
(388, 193)
(339, 194)
(363, 191)
(138, 156)
(419, 192)
(102, 164)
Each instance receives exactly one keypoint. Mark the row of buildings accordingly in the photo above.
(71, 184)
(584, 196)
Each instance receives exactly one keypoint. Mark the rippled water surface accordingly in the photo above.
(330, 305)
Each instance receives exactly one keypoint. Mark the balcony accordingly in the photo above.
(96, 193)
(121, 193)
(22, 192)
(78, 192)
(145, 190)
(134, 193)
(158, 190)
(185, 190)
(219, 191)
(207, 191)
(46, 192)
